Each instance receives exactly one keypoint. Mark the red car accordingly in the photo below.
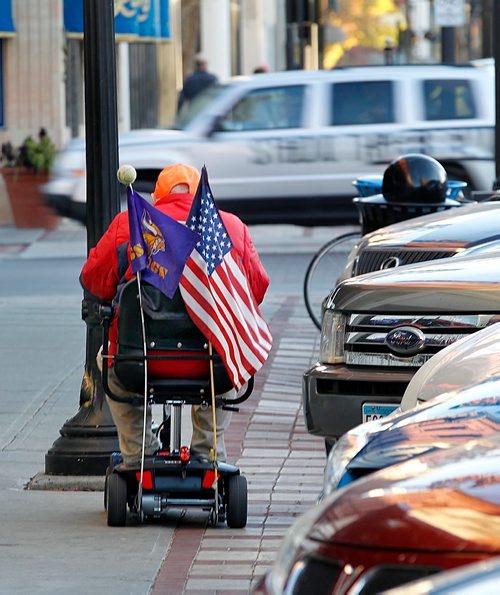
(430, 513)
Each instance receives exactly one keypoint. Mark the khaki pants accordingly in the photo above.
(129, 424)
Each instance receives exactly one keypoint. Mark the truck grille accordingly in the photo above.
(373, 260)
(405, 340)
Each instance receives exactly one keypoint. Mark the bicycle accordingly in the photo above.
(330, 260)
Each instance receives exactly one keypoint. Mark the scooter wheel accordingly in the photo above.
(117, 500)
(108, 472)
(106, 493)
(237, 502)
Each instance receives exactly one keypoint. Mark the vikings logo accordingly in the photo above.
(152, 235)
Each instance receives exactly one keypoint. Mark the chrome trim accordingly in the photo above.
(385, 359)
(371, 259)
(422, 336)
(154, 504)
(431, 340)
(424, 321)
(390, 263)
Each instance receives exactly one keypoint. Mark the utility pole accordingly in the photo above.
(88, 438)
(496, 55)
(448, 43)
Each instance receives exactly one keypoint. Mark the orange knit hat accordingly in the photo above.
(176, 174)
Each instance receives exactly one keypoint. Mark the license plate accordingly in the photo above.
(373, 411)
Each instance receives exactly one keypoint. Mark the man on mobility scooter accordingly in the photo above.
(107, 275)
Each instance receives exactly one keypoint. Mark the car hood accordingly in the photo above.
(455, 228)
(441, 501)
(451, 418)
(466, 284)
(437, 429)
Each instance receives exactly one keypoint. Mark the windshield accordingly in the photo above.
(191, 110)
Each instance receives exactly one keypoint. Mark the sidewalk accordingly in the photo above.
(283, 465)
(57, 541)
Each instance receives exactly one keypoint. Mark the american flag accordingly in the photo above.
(217, 296)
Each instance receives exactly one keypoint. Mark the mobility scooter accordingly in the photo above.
(155, 331)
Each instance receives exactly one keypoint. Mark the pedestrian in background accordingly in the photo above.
(196, 82)
(261, 69)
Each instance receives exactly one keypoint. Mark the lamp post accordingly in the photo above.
(448, 41)
(496, 55)
(88, 438)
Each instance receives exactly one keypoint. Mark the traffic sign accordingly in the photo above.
(449, 13)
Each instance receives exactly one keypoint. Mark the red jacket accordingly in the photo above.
(108, 264)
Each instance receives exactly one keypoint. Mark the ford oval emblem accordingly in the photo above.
(390, 263)
(405, 340)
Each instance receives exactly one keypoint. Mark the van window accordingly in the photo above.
(190, 110)
(266, 109)
(362, 102)
(448, 100)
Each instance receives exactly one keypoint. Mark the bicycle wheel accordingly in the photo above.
(324, 270)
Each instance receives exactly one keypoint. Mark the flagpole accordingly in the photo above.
(213, 453)
(144, 349)
(126, 175)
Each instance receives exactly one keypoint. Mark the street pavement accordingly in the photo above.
(53, 536)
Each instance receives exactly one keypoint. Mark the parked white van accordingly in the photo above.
(285, 147)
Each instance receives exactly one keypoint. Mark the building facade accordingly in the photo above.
(41, 53)
(41, 58)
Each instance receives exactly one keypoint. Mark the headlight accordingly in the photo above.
(289, 551)
(351, 265)
(342, 452)
(332, 338)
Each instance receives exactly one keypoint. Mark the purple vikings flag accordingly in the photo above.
(159, 246)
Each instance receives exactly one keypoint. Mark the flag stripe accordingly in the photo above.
(242, 280)
(209, 327)
(240, 311)
(217, 294)
(220, 310)
(246, 301)
(204, 298)
(194, 295)
(229, 306)
(203, 307)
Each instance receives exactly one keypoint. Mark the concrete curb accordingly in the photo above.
(67, 483)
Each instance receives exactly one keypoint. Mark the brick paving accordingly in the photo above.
(283, 465)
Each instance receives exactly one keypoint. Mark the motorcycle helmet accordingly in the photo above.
(415, 178)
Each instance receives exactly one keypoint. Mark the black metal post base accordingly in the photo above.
(71, 457)
(87, 439)
(85, 445)
(80, 456)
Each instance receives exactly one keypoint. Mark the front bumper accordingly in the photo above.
(333, 395)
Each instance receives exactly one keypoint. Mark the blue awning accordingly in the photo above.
(146, 20)
(6, 22)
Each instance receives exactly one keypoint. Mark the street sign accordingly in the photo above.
(449, 13)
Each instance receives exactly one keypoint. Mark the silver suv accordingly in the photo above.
(379, 328)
